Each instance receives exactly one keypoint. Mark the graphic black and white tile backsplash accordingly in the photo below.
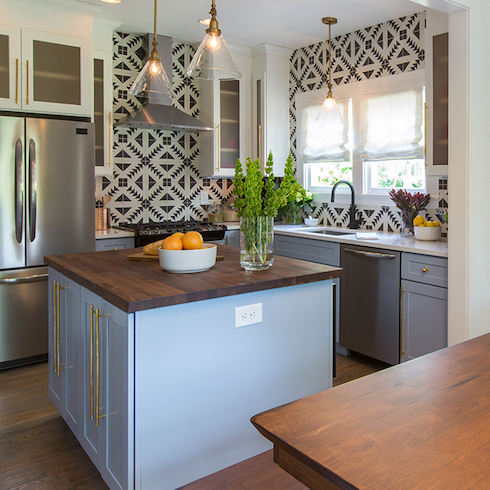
(156, 175)
(386, 49)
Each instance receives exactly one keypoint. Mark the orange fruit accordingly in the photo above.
(179, 234)
(172, 243)
(192, 240)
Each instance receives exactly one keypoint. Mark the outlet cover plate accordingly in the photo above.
(248, 315)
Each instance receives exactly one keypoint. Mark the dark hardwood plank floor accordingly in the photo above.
(38, 450)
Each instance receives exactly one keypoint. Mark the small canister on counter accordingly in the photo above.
(215, 213)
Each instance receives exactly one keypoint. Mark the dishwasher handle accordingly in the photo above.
(371, 255)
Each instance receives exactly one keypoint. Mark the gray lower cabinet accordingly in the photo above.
(108, 427)
(424, 305)
(232, 238)
(319, 251)
(91, 356)
(102, 244)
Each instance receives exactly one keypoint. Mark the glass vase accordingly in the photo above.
(407, 223)
(256, 243)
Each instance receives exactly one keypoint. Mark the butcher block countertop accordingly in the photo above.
(423, 424)
(141, 285)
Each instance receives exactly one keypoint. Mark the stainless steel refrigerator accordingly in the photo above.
(46, 207)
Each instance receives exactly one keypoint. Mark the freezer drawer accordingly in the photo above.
(23, 315)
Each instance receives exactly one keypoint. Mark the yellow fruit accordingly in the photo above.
(436, 224)
(172, 243)
(192, 240)
(418, 220)
(422, 225)
(178, 234)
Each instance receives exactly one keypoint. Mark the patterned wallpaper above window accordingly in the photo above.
(156, 173)
(389, 48)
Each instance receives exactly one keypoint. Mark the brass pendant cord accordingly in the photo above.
(154, 53)
(329, 21)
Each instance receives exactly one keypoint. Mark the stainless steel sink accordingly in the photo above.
(333, 232)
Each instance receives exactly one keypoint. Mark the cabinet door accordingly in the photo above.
(10, 68)
(65, 354)
(221, 148)
(103, 112)
(57, 73)
(232, 238)
(109, 375)
(424, 319)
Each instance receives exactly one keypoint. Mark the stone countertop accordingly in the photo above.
(113, 233)
(133, 285)
(387, 241)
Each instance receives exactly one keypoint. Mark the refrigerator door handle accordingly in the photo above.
(17, 280)
(19, 191)
(32, 190)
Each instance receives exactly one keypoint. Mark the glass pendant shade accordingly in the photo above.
(329, 113)
(152, 80)
(213, 60)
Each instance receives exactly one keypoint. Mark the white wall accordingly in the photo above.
(469, 169)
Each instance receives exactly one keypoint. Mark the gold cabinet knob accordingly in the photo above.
(425, 269)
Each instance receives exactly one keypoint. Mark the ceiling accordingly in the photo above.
(287, 23)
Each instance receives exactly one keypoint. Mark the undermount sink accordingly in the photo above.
(333, 232)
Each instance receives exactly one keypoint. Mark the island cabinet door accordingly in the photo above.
(109, 390)
(65, 357)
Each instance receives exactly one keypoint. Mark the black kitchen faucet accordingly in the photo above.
(353, 223)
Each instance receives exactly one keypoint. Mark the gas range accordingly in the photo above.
(151, 232)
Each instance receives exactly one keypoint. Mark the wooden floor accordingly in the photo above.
(38, 451)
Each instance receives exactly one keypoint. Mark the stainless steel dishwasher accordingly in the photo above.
(370, 302)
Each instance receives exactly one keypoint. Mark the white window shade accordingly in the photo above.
(392, 125)
(324, 141)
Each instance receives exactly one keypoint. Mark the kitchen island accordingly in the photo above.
(151, 374)
(418, 425)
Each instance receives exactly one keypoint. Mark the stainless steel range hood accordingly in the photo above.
(158, 113)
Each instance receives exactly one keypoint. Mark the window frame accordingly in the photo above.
(355, 91)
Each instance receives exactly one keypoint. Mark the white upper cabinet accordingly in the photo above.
(225, 106)
(43, 72)
(437, 93)
(271, 105)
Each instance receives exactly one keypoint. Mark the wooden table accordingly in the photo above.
(424, 424)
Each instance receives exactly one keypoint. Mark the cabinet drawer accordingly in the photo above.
(319, 251)
(102, 244)
(425, 269)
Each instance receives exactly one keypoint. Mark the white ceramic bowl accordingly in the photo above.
(311, 221)
(182, 261)
(427, 232)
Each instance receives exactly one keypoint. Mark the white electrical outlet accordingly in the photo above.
(248, 315)
(204, 197)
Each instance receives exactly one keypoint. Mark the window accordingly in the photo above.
(380, 144)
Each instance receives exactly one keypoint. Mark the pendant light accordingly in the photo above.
(152, 80)
(329, 113)
(213, 59)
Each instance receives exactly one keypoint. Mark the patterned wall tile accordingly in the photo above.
(156, 173)
(389, 48)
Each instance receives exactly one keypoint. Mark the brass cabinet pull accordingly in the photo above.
(27, 82)
(259, 152)
(110, 138)
(219, 147)
(55, 327)
(91, 360)
(401, 322)
(17, 81)
(97, 368)
(425, 269)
